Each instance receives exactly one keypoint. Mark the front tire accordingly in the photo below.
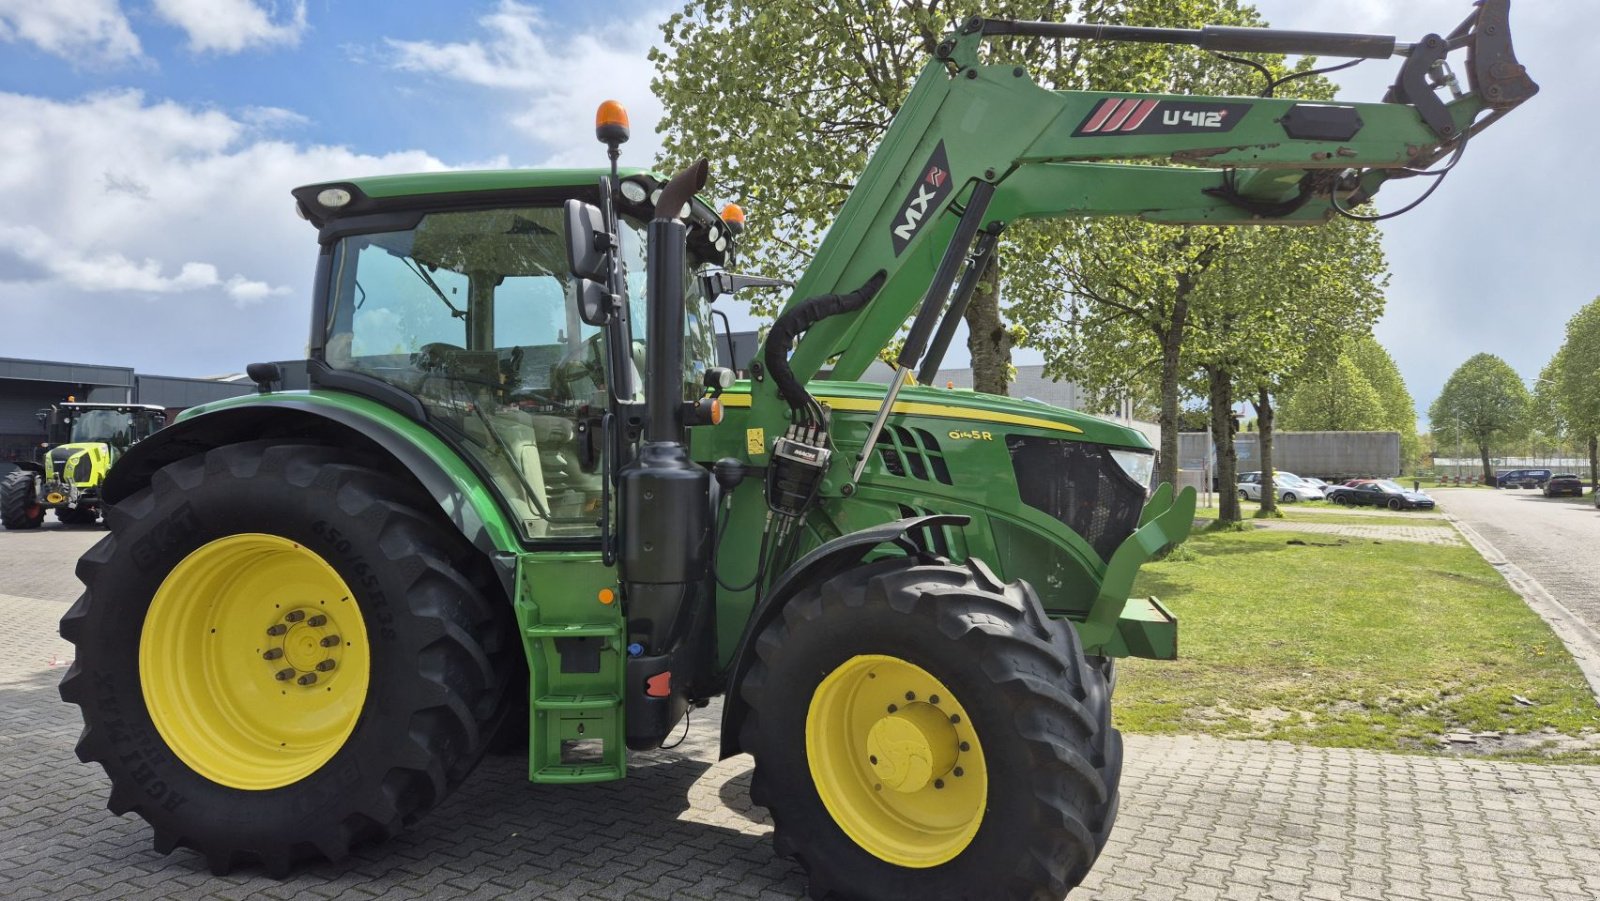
(280, 654)
(924, 731)
(19, 509)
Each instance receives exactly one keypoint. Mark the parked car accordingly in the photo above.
(1564, 483)
(1288, 486)
(1522, 478)
(1379, 493)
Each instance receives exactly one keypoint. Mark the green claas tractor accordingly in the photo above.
(520, 498)
(82, 440)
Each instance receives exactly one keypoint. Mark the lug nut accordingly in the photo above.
(329, 641)
(284, 675)
(893, 708)
(272, 654)
(872, 759)
(958, 771)
(277, 629)
(965, 747)
(933, 699)
(318, 620)
(911, 696)
(295, 616)
(955, 717)
(938, 783)
(324, 666)
(307, 679)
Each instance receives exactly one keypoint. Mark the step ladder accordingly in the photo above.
(577, 655)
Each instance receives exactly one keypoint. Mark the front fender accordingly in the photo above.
(337, 419)
(825, 561)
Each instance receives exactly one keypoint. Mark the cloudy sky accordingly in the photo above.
(149, 147)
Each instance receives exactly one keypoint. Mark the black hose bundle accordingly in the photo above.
(799, 318)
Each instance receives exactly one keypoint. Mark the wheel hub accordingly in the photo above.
(253, 661)
(910, 748)
(896, 760)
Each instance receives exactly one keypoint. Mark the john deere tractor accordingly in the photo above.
(82, 441)
(520, 500)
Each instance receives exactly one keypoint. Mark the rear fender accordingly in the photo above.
(827, 560)
(408, 450)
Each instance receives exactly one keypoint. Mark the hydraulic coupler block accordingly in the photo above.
(794, 476)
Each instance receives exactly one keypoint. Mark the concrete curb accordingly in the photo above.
(1582, 641)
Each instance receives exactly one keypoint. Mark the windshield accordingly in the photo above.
(118, 428)
(473, 313)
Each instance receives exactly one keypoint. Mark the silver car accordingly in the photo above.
(1288, 486)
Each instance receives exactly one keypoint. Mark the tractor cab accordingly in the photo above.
(119, 426)
(471, 310)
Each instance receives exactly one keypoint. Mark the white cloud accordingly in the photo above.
(230, 26)
(181, 245)
(554, 77)
(93, 31)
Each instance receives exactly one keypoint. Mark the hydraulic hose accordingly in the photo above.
(802, 316)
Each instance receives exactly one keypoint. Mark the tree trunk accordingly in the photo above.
(1171, 359)
(1488, 471)
(1269, 489)
(988, 339)
(1594, 462)
(1221, 391)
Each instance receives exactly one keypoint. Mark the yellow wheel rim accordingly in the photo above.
(254, 661)
(896, 761)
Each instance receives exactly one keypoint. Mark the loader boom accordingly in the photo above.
(970, 127)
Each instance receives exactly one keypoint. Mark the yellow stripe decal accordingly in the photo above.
(911, 408)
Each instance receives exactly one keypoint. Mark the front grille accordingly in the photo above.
(1080, 485)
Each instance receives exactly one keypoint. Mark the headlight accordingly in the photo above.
(1139, 465)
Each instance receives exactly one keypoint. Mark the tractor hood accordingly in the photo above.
(966, 410)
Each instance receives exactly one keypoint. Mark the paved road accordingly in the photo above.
(1201, 819)
(1555, 540)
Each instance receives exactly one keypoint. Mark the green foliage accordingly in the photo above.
(1486, 400)
(1576, 372)
(1339, 398)
(1399, 409)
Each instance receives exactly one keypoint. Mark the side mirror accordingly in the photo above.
(595, 303)
(589, 244)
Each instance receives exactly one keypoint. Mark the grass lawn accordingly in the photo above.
(1390, 645)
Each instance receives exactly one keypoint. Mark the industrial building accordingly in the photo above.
(27, 386)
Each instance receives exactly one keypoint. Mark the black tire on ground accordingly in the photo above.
(1289, 497)
(78, 516)
(1040, 709)
(19, 509)
(442, 647)
(1396, 504)
(1243, 495)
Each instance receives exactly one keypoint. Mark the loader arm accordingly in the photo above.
(982, 139)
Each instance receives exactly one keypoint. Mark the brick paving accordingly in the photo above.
(1439, 534)
(1201, 818)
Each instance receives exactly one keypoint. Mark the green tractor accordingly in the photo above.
(82, 441)
(519, 501)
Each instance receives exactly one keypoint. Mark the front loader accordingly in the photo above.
(82, 441)
(519, 498)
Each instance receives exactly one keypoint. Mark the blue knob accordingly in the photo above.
(635, 649)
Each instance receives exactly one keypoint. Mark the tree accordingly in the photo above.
(1399, 410)
(1577, 378)
(1277, 299)
(791, 96)
(1484, 402)
(1337, 399)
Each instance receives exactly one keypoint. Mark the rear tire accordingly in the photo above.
(19, 509)
(427, 642)
(1037, 710)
